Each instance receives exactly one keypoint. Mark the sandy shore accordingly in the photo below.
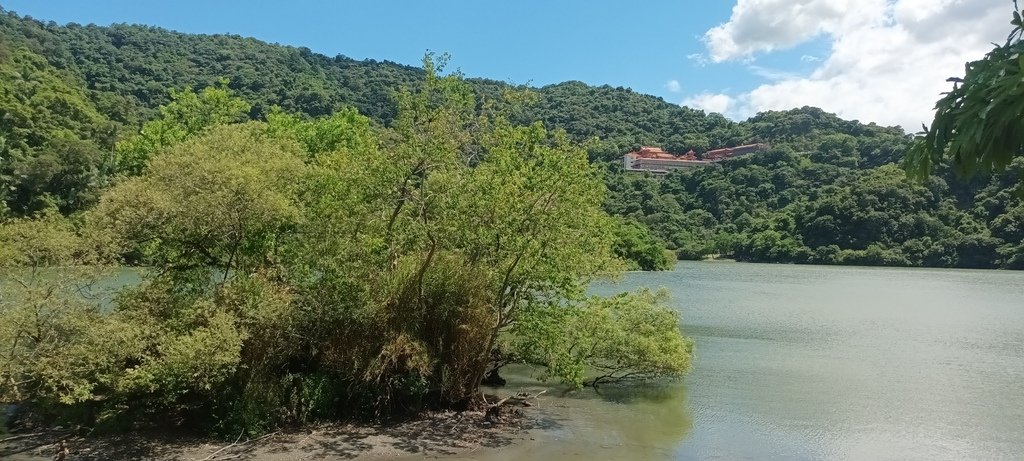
(434, 435)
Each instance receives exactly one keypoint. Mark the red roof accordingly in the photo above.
(651, 152)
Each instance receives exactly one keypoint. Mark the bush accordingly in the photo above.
(630, 336)
(635, 244)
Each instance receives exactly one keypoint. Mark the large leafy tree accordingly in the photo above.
(188, 114)
(979, 125)
(310, 269)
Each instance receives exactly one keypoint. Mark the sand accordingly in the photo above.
(443, 434)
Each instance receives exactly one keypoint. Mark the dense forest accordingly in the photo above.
(304, 269)
(830, 191)
(832, 196)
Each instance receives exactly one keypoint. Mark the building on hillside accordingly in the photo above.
(659, 162)
(733, 152)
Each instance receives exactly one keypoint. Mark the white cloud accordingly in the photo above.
(673, 86)
(768, 25)
(710, 102)
(771, 74)
(698, 59)
(888, 62)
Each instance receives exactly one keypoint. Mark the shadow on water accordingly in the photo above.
(638, 421)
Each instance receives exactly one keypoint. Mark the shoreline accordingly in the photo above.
(437, 434)
(559, 422)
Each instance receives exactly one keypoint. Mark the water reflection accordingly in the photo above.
(800, 362)
(803, 362)
(637, 422)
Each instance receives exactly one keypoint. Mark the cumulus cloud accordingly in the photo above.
(888, 62)
(673, 86)
(710, 102)
(768, 25)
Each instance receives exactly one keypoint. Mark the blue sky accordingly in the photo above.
(882, 61)
(641, 45)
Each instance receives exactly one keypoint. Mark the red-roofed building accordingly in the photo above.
(733, 152)
(658, 161)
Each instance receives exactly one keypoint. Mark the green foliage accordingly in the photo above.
(307, 269)
(49, 240)
(977, 125)
(209, 202)
(630, 336)
(50, 135)
(65, 173)
(635, 244)
(52, 340)
(830, 204)
(839, 150)
(342, 130)
(624, 119)
(188, 114)
(40, 102)
(53, 351)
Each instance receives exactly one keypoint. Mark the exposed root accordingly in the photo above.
(233, 445)
(494, 410)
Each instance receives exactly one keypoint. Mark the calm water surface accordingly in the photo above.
(805, 362)
(809, 362)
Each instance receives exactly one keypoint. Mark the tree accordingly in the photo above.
(220, 201)
(53, 340)
(605, 340)
(50, 137)
(307, 269)
(344, 129)
(188, 114)
(64, 173)
(839, 150)
(635, 244)
(977, 125)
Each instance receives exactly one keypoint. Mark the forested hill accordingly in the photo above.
(827, 192)
(127, 70)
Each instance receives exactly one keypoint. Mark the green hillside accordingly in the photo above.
(827, 192)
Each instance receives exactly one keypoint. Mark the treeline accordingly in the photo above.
(307, 269)
(107, 81)
(71, 92)
(830, 192)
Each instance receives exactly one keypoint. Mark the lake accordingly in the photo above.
(812, 362)
(802, 363)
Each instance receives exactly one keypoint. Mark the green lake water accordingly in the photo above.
(811, 362)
